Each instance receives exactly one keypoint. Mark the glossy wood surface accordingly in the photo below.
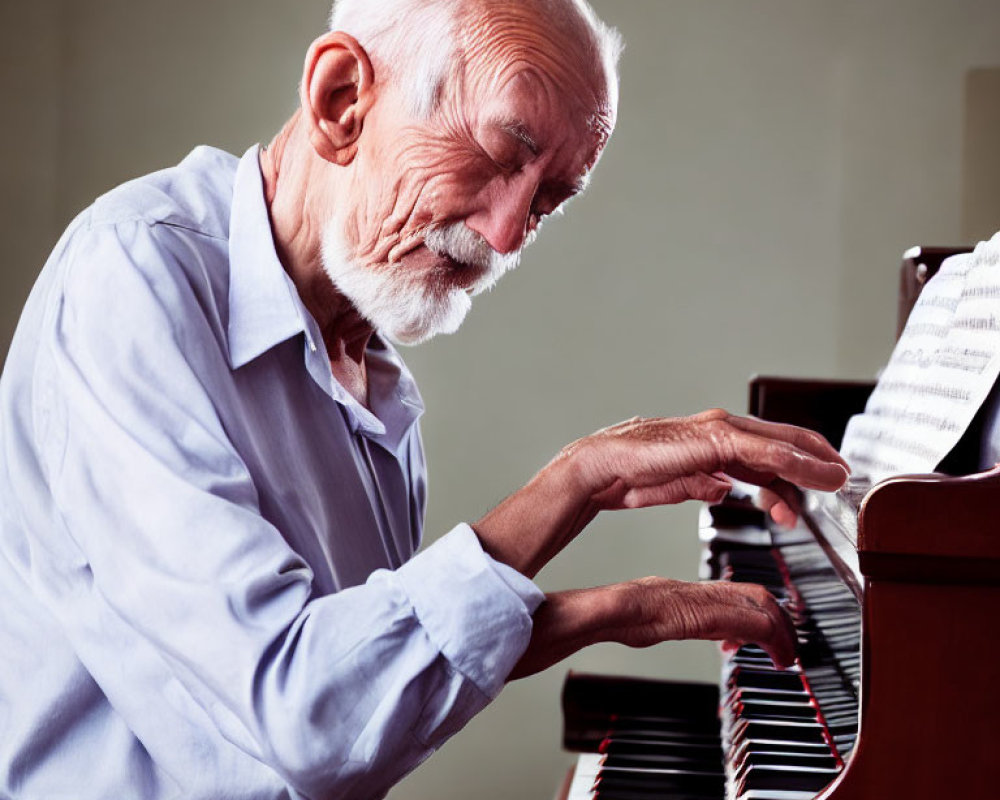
(820, 405)
(933, 516)
(929, 697)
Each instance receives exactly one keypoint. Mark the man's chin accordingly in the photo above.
(408, 302)
(443, 319)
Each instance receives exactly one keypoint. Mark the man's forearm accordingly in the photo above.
(567, 622)
(532, 525)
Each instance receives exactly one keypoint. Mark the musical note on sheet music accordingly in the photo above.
(943, 368)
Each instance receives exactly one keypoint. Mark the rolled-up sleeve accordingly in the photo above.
(159, 517)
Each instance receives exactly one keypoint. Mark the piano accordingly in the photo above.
(894, 590)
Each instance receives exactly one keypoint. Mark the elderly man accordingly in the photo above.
(213, 484)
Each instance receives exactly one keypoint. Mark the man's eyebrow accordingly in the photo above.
(520, 132)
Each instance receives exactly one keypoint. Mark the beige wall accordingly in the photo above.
(773, 159)
(980, 154)
(30, 96)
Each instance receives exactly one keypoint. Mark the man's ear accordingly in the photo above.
(336, 93)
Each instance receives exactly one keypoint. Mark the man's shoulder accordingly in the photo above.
(165, 233)
(150, 257)
(195, 195)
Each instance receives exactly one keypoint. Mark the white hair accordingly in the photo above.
(412, 41)
(416, 41)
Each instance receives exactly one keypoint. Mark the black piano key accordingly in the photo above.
(779, 695)
(755, 709)
(693, 724)
(737, 515)
(766, 679)
(625, 737)
(821, 748)
(652, 747)
(704, 763)
(843, 729)
(783, 732)
(709, 785)
(620, 793)
(786, 759)
(786, 779)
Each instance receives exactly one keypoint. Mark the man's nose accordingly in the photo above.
(506, 214)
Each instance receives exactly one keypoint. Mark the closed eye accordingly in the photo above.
(519, 132)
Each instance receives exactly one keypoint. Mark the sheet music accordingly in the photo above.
(944, 366)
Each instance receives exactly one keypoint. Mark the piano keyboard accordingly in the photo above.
(783, 735)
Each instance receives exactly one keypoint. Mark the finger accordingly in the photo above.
(803, 438)
(751, 614)
(781, 501)
(778, 640)
(737, 613)
(759, 460)
(783, 515)
(652, 452)
(709, 488)
(781, 647)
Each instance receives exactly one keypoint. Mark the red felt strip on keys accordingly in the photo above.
(793, 591)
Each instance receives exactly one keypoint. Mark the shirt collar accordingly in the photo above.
(392, 394)
(265, 310)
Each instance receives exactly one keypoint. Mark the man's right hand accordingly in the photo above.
(645, 462)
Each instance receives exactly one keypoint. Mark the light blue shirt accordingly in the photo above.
(207, 573)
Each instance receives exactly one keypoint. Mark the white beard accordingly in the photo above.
(410, 307)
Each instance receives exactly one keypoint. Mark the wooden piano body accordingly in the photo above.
(926, 567)
(922, 554)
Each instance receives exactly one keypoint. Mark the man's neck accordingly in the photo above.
(296, 208)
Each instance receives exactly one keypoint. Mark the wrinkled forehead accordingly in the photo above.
(517, 52)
